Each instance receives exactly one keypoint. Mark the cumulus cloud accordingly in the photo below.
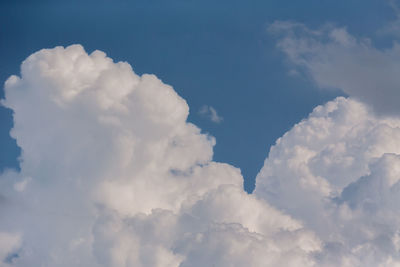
(112, 174)
(210, 113)
(338, 172)
(333, 58)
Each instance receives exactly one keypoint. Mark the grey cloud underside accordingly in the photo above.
(112, 174)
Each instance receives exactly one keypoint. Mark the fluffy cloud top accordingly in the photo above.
(335, 59)
(338, 172)
(113, 175)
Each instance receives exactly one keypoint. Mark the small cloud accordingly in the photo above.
(210, 113)
(294, 73)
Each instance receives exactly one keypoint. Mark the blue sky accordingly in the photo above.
(216, 54)
(213, 53)
(302, 96)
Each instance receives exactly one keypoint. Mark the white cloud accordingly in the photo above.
(338, 172)
(335, 59)
(113, 175)
(210, 113)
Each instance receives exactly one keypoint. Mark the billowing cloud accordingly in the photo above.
(335, 59)
(210, 113)
(338, 172)
(112, 174)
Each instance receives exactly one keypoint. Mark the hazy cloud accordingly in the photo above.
(333, 58)
(210, 113)
(392, 28)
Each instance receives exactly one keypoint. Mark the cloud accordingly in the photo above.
(210, 113)
(392, 28)
(112, 174)
(338, 172)
(333, 58)
(9, 244)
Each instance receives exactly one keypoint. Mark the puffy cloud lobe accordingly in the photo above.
(113, 175)
(196, 240)
(335, 59)
(338, 172)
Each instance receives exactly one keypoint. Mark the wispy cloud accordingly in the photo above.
(210, 113)
(333, 58)
(393, 27)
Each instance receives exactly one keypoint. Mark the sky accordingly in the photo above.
(186, 133)
(215, 54)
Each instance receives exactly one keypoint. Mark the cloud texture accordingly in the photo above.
(112, 174)
(339, 172)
